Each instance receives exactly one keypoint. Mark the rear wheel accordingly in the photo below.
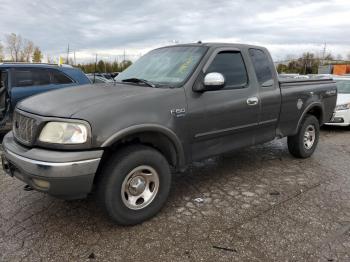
(134, 185)
(304, 143)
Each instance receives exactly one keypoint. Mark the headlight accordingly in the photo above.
(342, 107)
(64, 133)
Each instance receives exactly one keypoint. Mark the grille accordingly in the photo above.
(24, 128)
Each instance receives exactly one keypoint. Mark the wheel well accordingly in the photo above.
(153, 139)
(156, 140)
(317, 112)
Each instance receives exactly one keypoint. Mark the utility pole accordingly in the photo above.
(75, 61)
(324, 52)
(67, 54)
(123, 63)
(95, 68)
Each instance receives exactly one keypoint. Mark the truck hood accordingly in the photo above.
(67, 102)
(343, 99)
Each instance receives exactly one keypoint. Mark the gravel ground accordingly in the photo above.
(258, 204)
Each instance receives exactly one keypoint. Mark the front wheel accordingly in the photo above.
(134, 185)
(304, 143)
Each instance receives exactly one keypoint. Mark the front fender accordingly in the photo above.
(150, 128)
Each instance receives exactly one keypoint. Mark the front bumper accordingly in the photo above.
(340, 118)
(67, 175)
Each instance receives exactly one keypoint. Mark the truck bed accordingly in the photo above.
(288, 81)
(296, 93)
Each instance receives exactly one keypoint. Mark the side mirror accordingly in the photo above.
(213, 81)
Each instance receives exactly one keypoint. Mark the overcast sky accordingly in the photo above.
(110, 26)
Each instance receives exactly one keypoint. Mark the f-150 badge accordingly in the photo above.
(178, 112)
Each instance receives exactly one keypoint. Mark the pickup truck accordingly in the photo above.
(21, 80)
(175, 105)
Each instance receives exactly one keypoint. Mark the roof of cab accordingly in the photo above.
(218, 45)
(41, 65)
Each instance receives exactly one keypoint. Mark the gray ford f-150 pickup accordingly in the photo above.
(173, 106)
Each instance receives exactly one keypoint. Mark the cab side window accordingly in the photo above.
(23, 77)
(262, 67)
(231, 66)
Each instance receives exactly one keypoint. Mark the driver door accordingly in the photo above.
(224, 120)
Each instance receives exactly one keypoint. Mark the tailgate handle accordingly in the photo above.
(252, 101)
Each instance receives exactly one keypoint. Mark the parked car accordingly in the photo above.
(293, 76)
(285, 75)
(173, 106)
(109, 76)
(342, 110)
(98, 79)
(114, 74)
(21, 80)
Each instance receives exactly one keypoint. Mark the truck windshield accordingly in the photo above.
(169, 66)
(343, 86)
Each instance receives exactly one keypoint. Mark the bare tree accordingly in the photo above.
(14, 45)
(27, 51)
(339, 57)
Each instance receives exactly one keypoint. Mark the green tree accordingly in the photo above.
(115, 67)
(37, 55)
(281, 68)
(125, 64)
(293, 67)
(101, 66)
(108, 67)
(104, 66)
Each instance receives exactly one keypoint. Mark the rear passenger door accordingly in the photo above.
(224, 120)
(269, 93)
(28, 81)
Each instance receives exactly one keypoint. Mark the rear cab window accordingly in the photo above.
(59, 78)
(231, 65)
(262, 67)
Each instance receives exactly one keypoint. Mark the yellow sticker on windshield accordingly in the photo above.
(183, 68)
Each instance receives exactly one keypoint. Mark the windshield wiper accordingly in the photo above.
(139, 80)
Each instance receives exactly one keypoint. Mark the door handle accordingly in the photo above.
(252, 101)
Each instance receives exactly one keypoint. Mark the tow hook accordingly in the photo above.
(27, 188)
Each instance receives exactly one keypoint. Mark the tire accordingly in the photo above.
(300, 146)
(135, 172)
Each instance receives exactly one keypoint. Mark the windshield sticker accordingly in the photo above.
(184, 67)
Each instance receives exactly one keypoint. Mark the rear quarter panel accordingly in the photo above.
(298, 97)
